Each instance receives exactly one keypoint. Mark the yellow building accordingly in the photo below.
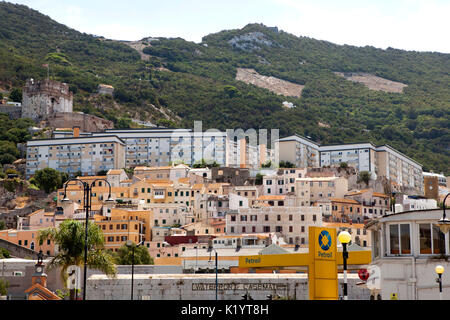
(124, 225)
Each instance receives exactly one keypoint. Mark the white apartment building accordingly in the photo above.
(87, 155)
(291, 223)
(361, 156)
(299, 151)
(162, 146)
(283, 181)
(380, 161)
(310, 190)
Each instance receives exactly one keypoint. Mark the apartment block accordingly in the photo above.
(361, 156)
(87, 155)
(300, 151)
(310, 190)
(283, 181)
(291, 222)
(400, 169)
(161, 146)
(380, 161)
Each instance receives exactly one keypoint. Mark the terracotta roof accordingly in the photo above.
(353, 193)
(381, 195)
(267, 197)
(36, 212)
(345, 225)
(351, 201)
(183, 180)
(153, 168)
(39, 292)
(115, 171)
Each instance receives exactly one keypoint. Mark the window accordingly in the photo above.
(438, 241)
(432, 240)
(394, 239)
(266, 229)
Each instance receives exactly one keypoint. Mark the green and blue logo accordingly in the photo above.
(325, 240)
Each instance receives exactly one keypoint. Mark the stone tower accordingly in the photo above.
(45, 98)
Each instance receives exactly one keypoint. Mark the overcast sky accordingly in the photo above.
(402, 24)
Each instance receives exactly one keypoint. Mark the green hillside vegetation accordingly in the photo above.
(201, 85)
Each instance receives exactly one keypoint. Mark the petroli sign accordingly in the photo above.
(325, 242)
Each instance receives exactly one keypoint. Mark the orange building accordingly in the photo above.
(123, 225)
(28, 239)
(342, 208)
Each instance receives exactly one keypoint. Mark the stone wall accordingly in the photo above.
(44, 98)
(202, 287)
(12, 111)
(86, 122)
(18, 251)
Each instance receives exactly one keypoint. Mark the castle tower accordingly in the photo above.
(45, 98)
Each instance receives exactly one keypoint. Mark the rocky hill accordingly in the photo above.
(172, 82)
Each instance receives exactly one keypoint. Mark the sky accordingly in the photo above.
(401, 24)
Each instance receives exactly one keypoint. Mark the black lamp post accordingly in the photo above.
(439, 270)
(444, 223)
(131, 245)
(216, 267)
(87, 188)
(344, 238)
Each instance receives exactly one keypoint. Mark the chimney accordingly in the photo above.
(76, 132)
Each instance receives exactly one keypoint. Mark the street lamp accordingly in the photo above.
(444, 223)
(87, 189)
(131, 245)
(440, 270)
(344, 238)
(216, 266)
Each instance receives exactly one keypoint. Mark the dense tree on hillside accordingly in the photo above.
(48, 179)
(197, 82)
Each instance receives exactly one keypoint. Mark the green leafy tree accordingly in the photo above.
(16, 95)
(2, 225)
(4, 285)
(364, 176)
(286, 164)
(259, 179)
(4, 254)
(70, 239)
(268, 164)
(124, 255)
(48, 179)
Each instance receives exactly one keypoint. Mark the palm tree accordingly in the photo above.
(69, 238)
